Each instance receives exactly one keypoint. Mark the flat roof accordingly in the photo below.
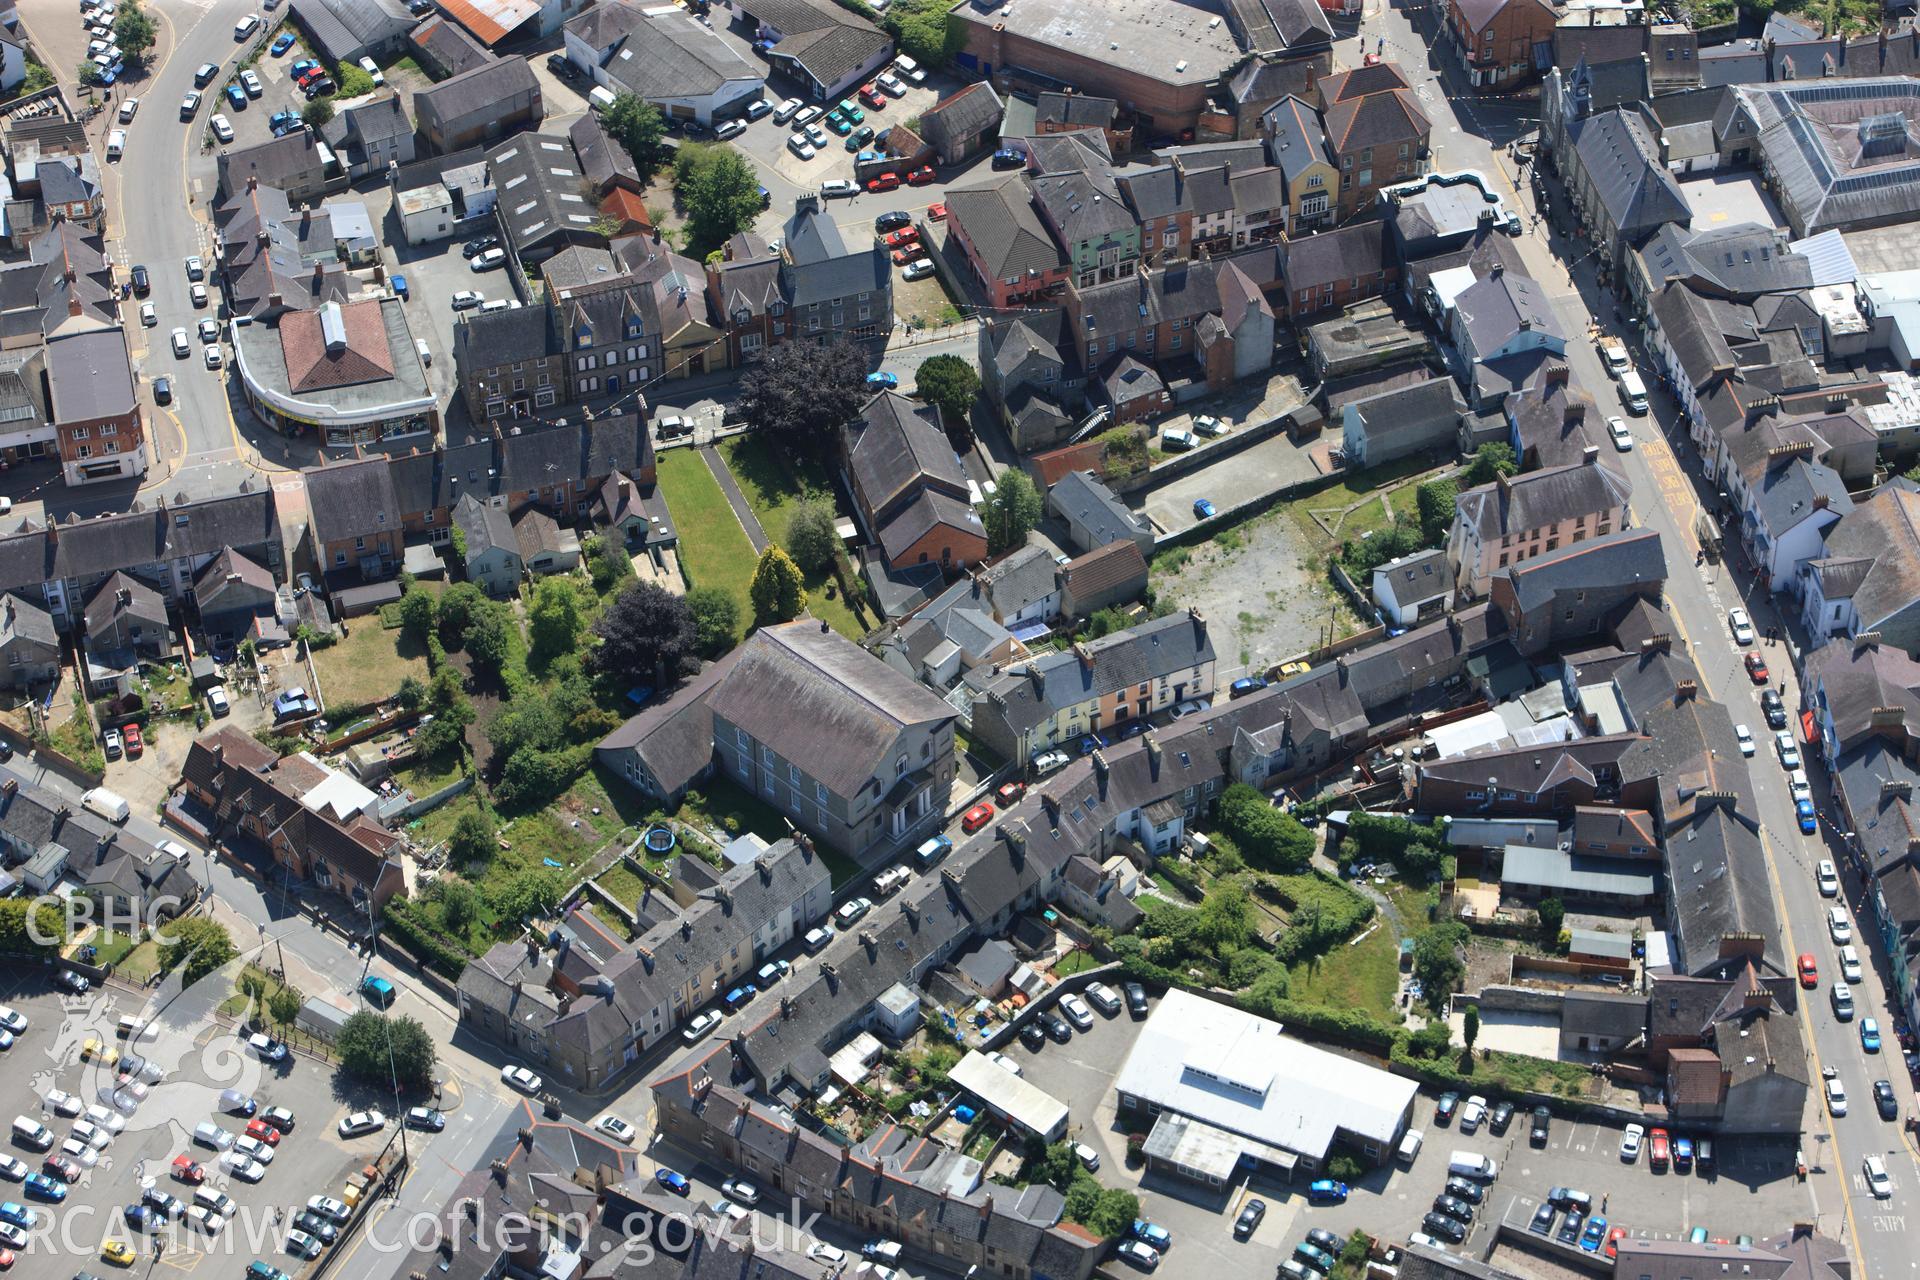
(1238, 1072)
(1584, 873)
(1165, 40)
(1027, 1105)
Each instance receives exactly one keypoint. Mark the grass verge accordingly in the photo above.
(714, 550)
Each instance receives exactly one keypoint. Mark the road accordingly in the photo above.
(1472, 134)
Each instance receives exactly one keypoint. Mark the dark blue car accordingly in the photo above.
(1245, 685)
(1093, 742)
(671, 1181)
(237, 96)
(1009, 158)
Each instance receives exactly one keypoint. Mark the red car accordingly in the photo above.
(258, 1128)
(920, 177)
(6, 1259)
(131, 737)
(902, 237)
(1614, 1237)
(1809, 971)
(1756, 668)
(872, 96)
(977, 817)
(308, 76)
(885, 182)
(1657, 1152)
(187, 1169)
(62, 1168)
(936, 213)
(1010, 792)
(910, 253)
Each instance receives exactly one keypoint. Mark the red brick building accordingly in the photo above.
(1014, 258)
(96, 415)
(1502, 44)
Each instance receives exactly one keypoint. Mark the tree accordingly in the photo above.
(88, 74)
(527, 724)
(811, 538)
(1470, 1026)
(777, 590)
(317, 113)
(133, 31)
(1268, 838)
(952, 386)
(1552, 912)
(412, 694)
(1435, 499)
(1430, 1041)
(459, 903)
(1106, 622)
(1437, 961)
(924, 31)
(555, 618)
(1490, 461)
(1113, 1213)
(38, 78)
(377, 1048)
(720, 191)
(459, 605)
(637, 125)
(283, 1006)
(716, 619)
(417, 614)
(31, 924)
(488, 639)
(452, 713)
(525, 894)
(1012, 512)
(196, 946)
(1224, 917)
(473, 840)
(801, 395)
(645, 634)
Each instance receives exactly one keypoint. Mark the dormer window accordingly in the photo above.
(635, 328)
(583, 336)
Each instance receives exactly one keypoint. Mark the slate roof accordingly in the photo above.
(1789, 494)
(1829, 175)
(929, 508)
(1081, 498)
(1358, 249)
(1178, 291)
(449, 44)
(822, 268)
(1375, 120)
(89, 376)
(1538, 499)
(1623, 165)
(1271, 26)
(1358, 82)
(1743, 260)
(470, 92)
(603, 162)
(895, 448)
(1157, 191)
(488, 339)
(1075, 109)
(966, 113)
(1083, 206)
(830, 42)
(1051, 683)
(661, 53)
(1883, 529)
(1298, 141)
(1431, 400)
(1624, 556)
(1073, 152)
(1498, 307)
(1850, 680)
(484, 523)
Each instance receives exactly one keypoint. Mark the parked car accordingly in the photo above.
(1327, 1191)
(1056, 1026)
(1741, 625)
(1249, 1219)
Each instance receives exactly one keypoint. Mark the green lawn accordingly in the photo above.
(1329, 502)
(111, 948)
(424, 777)
(1364, 975)
(772, 488)
(713, 547)
(367, 666)
(720, 804)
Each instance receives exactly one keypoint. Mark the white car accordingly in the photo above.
(616, 1128)
(181, 347)
(1102, 997)
(1839, 928)
(1874, 1170)
(801, 147)
(206, 1220)
(1005, 1063)
(195, 268)
(851, 911)
(209, 330)
(362, 1122)
(1744, 736)
(211, 354)
(301, 1245)
(251, 84)
(91, 1134)
(787, 110)
(127, 110)
(148, 316)
(467, 298)
(1850, 963)
(1836, 1097)
(13, 1169)
(821, 1251)
(217, 701)
(806, 116)
(1789, 753)
(740, 1191)
(1622, 438)
(252, 1146)
(1630, 1142)
(111, 1121)
(189, 104)
(701, 1026)
(269, 1049)
(817, 135)
(729, 129)
(222, 127)
(1077, 1012)
(74, 1149)
(489, 260)
(242, 1166)
(891, 85)
(328, 1207)
(1742, 626)
(520, 1078)
(1829, 879)
(917, 270)
(62, 1103)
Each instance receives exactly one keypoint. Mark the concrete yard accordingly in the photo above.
(1240, 477)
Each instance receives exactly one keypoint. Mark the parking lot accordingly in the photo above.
(1752, 1192)
(199, 1059)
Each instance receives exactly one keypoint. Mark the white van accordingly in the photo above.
(600, 97)
(1410, 1143)
(110, 805)
(131, 1028)
(116, 144)
(29, 1132)
(1471, 1164)
(372, 68)
(892, 880)
(215, 1201)
(1633, 391)
(426, 352)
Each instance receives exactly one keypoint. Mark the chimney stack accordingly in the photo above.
(1557, 375)
(1589, 455)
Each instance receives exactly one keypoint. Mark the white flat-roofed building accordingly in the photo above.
(1279, 1096)
(1027, 1107)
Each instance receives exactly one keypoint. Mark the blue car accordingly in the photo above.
(41, 1187)
(1870, 1035)
(1803, 809)
(1596, 1232)
(1151, 1233)
(301, 67)
(740, 995)
(1093, 742)
(1203, 507)
(237, 96)
(1245, 685)
(378, 991)
(671, 1181)
(882, 381)
(1009, 158)
(1327, 1191)
(18, 1214)
(282, 43)
(283, 123)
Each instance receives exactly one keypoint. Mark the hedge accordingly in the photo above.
(1359, 1029)
(428, 945)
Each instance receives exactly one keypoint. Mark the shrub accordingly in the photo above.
(1266, 837)
(429, 945)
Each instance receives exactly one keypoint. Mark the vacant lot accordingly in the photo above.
(713, 547)
(367, 665)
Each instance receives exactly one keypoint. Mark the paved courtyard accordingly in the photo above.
(1727, 199)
